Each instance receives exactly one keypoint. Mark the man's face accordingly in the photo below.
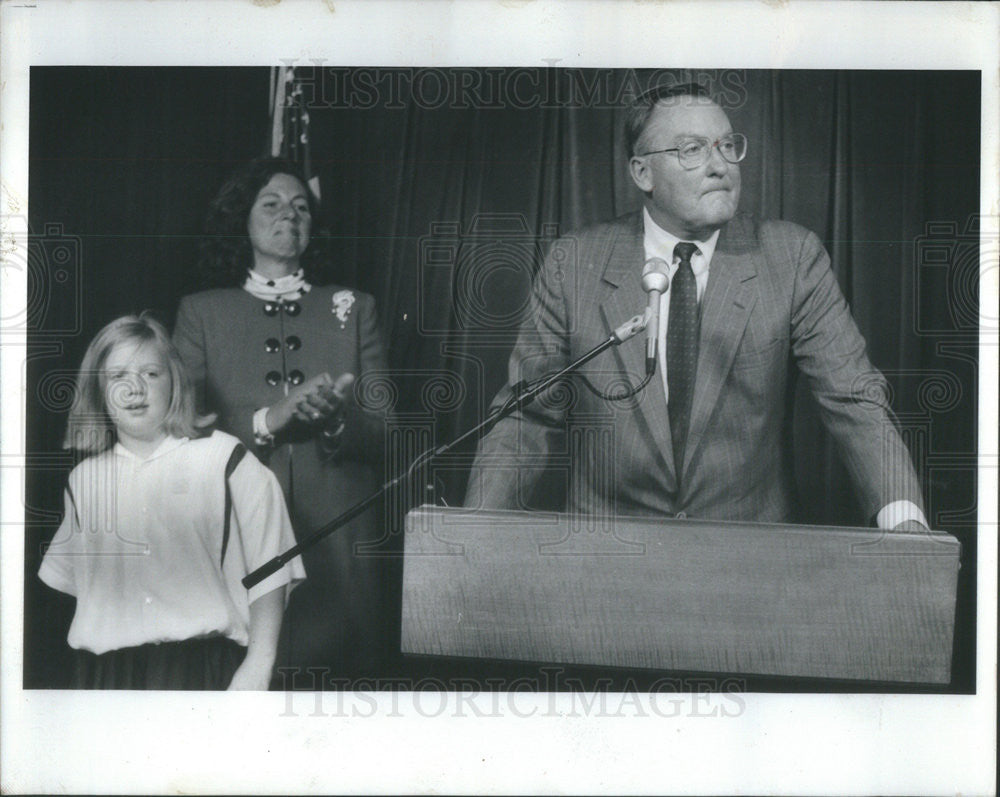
(690, 203)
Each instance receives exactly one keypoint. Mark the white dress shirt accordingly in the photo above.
(660, 243)
(657, 242)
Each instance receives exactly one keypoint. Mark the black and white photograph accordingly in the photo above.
(480, 414)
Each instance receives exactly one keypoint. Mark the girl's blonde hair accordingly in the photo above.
(90, 428)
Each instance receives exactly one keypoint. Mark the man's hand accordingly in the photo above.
(914, 526)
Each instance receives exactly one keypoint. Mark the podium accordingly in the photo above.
(680, 595)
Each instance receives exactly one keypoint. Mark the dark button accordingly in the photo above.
(271, 345)
(273, 378)
(292, 342)
(292, 308)
(296, 377)
(270, 308)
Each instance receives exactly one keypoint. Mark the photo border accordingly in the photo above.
(794, 744)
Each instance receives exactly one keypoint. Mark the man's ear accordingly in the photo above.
(639, 169)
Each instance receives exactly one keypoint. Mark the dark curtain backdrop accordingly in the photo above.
(441, 191)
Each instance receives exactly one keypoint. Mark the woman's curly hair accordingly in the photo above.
(226, 253)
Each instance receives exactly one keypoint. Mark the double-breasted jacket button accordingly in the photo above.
(271, 308)
(292, 308)
(273, 378)
(296, 377)
(293, 342)
(272, 345)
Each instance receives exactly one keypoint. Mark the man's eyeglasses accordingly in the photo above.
(695, 152)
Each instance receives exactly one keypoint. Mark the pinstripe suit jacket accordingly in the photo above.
(771, 306)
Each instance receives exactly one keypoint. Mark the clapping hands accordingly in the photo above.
(314, 402)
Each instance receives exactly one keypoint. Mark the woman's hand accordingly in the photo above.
(313, 402)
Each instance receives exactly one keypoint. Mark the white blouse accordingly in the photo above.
(141, 541)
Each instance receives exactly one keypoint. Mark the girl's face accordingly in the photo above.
(137, 389)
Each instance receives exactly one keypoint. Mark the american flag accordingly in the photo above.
(290, 123)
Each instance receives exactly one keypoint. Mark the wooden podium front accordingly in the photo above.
(689, 595)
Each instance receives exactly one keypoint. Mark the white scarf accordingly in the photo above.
(288, 288)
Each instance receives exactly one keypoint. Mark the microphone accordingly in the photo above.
(629, 329)
(655, 282)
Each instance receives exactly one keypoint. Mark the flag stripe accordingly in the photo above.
(290, 124)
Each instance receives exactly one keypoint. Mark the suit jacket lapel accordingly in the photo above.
(729, 298)
(624, 271)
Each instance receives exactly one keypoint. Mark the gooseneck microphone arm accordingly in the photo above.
(522, 395)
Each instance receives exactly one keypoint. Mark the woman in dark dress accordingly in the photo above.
(277, 355)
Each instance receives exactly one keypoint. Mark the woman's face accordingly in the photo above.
(279, 224)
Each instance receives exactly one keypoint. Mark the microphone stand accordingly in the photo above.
(523, 394)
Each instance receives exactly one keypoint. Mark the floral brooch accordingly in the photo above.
(343, 301)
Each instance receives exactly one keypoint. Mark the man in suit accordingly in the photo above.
(748, 301)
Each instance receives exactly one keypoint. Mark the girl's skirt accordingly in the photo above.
(194, 664)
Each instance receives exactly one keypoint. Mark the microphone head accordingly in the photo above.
(654, 275)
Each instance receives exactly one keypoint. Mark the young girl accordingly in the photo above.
(159, 528)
